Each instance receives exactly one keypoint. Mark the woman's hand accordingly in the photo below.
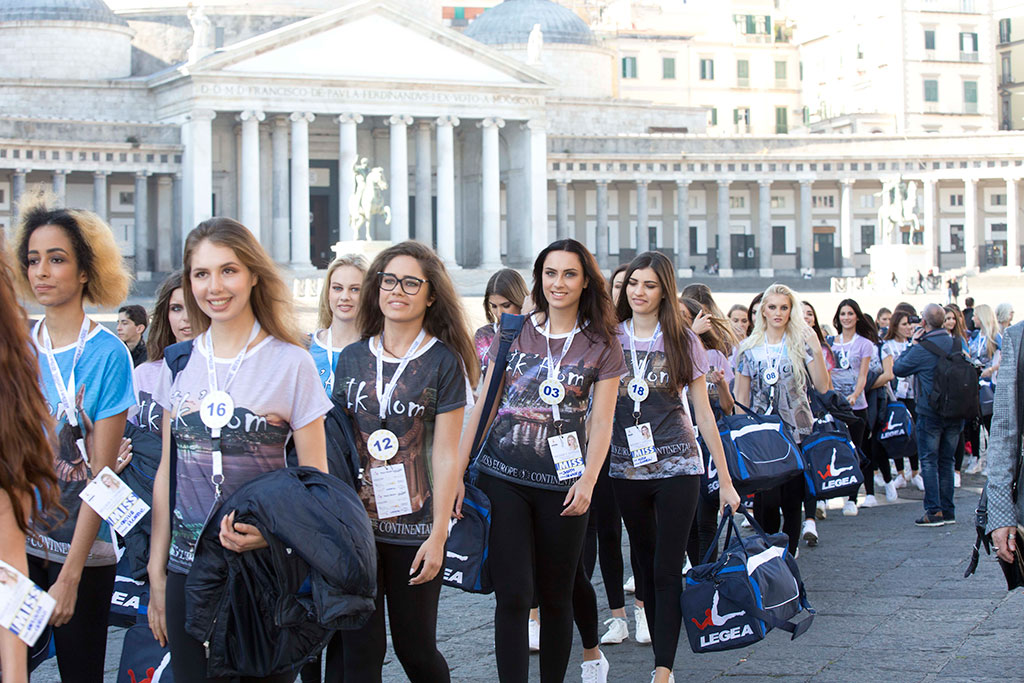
(460, 495)
(429, 559)
(716, 377)
(124, 455)
(1004, 540)
(65, 592)
(851, 399)
(577, 500)
(727, 496)
(240, 537)
(157, 605)
(701, 323)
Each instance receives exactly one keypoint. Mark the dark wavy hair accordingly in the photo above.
(595, 308)
(160, 333)
(865, 325)
(673, 325)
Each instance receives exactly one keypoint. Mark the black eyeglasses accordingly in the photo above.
(410, 285)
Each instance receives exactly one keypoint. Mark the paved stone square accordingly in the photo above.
(891, 599)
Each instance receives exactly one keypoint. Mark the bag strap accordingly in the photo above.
(509, 328)
(176, 356)
(750, 411)
(790, 626)
(1020, 420)
(932, 347)
(726, 521)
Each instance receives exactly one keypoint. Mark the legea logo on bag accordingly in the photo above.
(713, 618)
(832, 470)
(891, 429)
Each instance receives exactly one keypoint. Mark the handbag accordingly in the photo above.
(759, 450)
(466, 553)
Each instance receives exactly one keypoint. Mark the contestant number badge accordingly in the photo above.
(552, 391)
(382, 445)
(217, 409)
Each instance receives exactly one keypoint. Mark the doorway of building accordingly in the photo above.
(744, 252)
(323, 211)
(824, 250)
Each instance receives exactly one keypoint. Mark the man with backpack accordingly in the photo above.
(944, 387)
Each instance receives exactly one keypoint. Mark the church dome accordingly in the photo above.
(510, 23)
(58, 10)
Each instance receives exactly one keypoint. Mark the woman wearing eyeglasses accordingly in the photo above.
(404, 385)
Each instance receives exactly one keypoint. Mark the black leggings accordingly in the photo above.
(412, 613)
(530, 540)
(188, 656)
(82, 642)
(973, 431)
(702, 532)
(584, 607)
(658, 514)
(310, 672)
(782, 508)
(604, 539)
(875, 457)
(914, 463)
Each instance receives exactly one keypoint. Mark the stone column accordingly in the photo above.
(1013, 223)
(971, 223)
(538, 174)
(561, 209)
(724, 240)
(60, 186)
(249, 199)
(265, 231)
(446, 190)
(197, 165)
(764, 228)
(177, 218)
(142, 264)
(602, 223)
(683, 255)
(99, 193)
(806, 228)
(17, 186)
(348, 155)
(490, 194)
(930, 228)
(300, 188)
(643, 230)
(424, 185)
(399, 177)
(846, 226)
(280, 227)
(164, 225)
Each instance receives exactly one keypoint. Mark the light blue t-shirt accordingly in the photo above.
(105, 370)
(326, 360)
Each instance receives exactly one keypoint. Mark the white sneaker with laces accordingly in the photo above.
(849, 509)
(900, 481)
(810, 532)
(671, 676)
(821, 510)
(918, 481)
(534, 632)
(643, 634)
(956, 479)
(630, 585)
(869, 501)
(618, 631)
(890, 492)
(595, 671)
(879, 482)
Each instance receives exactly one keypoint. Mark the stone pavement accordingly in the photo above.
(891, 599)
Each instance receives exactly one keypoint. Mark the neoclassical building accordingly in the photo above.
(493, 141)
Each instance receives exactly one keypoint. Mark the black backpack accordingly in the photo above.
(954, 394)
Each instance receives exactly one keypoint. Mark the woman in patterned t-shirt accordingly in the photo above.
(505, 293)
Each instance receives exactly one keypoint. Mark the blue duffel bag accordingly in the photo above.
(832, 462)
(759, 450)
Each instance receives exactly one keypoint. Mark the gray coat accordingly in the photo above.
(1002, 442)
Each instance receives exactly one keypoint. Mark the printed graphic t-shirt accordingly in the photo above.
(482, 342)
(904, 385)
(105, 370)
(516, 448)
(431, 384)
(674, 437)
(789, 403)
(845, 380)
(148, 414)
(276, 392)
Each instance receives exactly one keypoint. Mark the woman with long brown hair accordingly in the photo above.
(247, 366)
(404, 385)
(26, 460)
(505, 292)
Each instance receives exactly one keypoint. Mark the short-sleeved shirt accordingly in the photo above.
(845, 380)
(791, 404)
(482, 343)
(432, 383)
(325, 360)
(148, 414)
(893, 348)
(674, 437)
(276, 391)
(979, 349)
(105, 370)
(516, 448)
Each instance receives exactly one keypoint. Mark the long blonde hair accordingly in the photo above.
(989, 327)
(796, 330)
(325, 316)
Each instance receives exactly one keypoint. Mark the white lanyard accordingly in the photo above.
(843, 345)
(640, 369)
(553, 367)
(384, 393)
(770, 358)
(211, 370)
(330, 356)
(66, 392)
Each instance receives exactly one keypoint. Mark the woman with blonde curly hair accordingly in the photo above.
(67, 257)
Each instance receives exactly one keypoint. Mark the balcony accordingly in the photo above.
(968, 56)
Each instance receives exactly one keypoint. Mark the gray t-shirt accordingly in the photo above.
(790, 404)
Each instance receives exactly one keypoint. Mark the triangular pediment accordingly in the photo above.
(370, 40)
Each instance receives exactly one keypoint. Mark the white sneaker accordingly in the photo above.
(869, 501)
(595, 671)
(849, 509)
(618, 631)
(745, 524)
(810, 532)
(534, 631)
(918, 481)
(821, 510)
(643, 634)
(978, 467)
(879, 482)
(630, 585)
(956, 479)
(671, 676)
(890, 492)
(687, 567)
(900, 481)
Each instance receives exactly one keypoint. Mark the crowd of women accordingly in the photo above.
(601, 400)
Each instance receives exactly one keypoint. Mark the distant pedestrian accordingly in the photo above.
(131, 325)
(919, 287)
